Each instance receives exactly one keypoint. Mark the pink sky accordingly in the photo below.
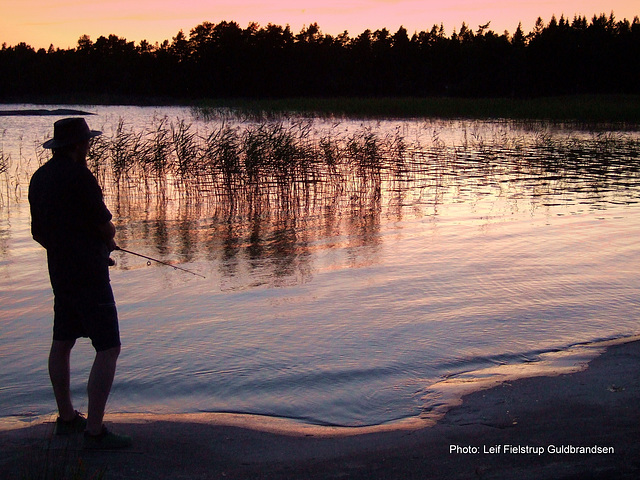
(40, 23)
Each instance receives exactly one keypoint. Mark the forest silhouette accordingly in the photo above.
(223, 60)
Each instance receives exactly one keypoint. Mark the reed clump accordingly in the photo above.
(158, 151)
(198, 160)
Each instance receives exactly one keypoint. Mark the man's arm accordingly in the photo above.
(37, 232)
(107, 232)
(38, 239)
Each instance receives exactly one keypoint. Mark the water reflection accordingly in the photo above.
(273, 194)
(4, 238)
(265, 195)
(272, 229)
(479, 242)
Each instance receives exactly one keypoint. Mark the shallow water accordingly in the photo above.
(345, 300)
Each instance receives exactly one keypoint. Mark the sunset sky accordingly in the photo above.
(40, 23)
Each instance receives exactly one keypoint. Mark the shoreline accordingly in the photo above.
(620, 109)
(584, 424)
(448, 392)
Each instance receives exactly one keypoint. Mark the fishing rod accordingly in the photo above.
(158, 261)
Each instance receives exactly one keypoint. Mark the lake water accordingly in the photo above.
(364, 292)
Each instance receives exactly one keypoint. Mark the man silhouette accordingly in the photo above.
(70, 220)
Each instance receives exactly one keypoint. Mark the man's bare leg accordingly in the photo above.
(99, 387)
(59, 373)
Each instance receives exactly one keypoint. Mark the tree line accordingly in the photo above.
(226, 61)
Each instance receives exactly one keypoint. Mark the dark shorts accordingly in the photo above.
(86, 311)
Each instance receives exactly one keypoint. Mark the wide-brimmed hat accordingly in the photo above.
(69, 131)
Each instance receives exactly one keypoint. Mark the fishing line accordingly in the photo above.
(151, 259)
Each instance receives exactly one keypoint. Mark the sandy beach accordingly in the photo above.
(584, 425)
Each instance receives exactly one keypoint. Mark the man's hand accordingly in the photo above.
(108, 232)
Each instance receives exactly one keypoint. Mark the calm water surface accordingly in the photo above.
(345, 298)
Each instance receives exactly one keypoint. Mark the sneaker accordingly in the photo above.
(106, 440)
(77, 425)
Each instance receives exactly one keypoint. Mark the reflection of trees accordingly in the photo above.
(263, 198)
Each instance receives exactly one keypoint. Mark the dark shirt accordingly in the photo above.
(66, 211)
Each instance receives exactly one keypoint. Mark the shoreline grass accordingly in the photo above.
(578, 108)
(611, 108)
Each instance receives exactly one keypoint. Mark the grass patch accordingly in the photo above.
(582, 108)
(622, 108)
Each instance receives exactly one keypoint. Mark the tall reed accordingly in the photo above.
(187, 150)
(158, 151)
(125, 148)
(4, 161)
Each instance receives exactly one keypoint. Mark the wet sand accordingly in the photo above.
(584, 425)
